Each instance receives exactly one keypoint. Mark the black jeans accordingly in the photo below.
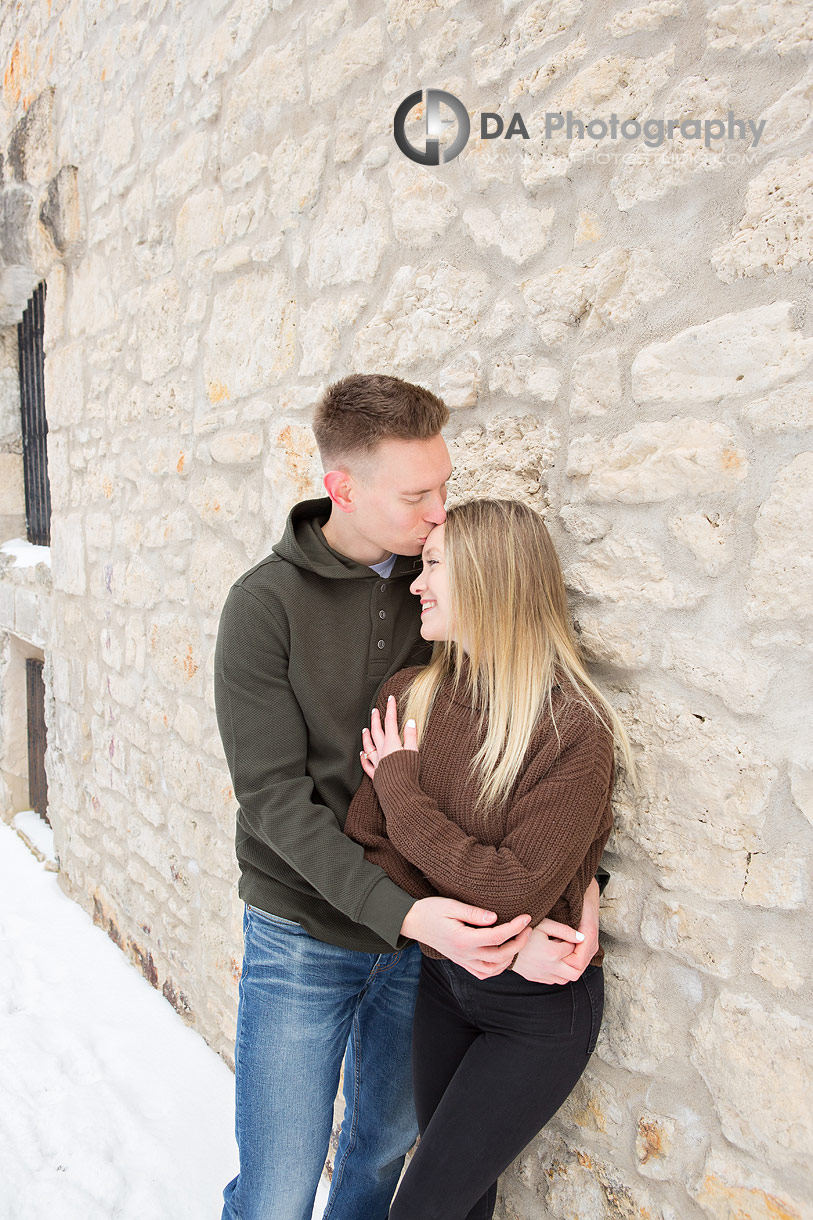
(492, 1061)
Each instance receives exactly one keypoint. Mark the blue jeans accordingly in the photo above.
(303, 1007)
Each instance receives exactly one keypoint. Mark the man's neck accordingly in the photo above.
(347, 543)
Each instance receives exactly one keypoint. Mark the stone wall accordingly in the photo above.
(225, 224)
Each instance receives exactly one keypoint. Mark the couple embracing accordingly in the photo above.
(424, 796)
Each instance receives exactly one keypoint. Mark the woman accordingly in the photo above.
(499, 795)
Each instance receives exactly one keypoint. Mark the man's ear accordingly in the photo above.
(339, 486)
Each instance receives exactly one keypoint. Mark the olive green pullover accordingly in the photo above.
(306, 639)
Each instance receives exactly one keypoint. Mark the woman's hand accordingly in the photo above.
(546, 957)
(378, 742)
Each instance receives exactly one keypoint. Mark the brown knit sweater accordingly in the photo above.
(539, 853)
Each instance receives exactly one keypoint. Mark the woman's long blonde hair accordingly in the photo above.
(507, 602)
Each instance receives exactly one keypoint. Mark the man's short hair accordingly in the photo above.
(360, 410)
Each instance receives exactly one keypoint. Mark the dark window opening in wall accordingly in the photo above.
(35, 425)
(35, 695)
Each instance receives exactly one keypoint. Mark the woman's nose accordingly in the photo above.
(416, 585)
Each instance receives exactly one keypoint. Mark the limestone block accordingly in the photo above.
(213, 569)
(180, 173)
(592, 1107)
(601, 293)
(295, 170)
(522, 375)
(215, 499)
(64, 385)
(251, 337)
(658, 460)
(68, 555)
(175, 650)
(459, 381)
(634, 1024)
(644, 17)
(508, 457)
(537, 25)
(320, 330)
(520, 232)
(791, 116)
(595, 383)
(775, 881)
(750, 25)
(730, 1189)
(422, 206)
(699, 812)
(781, 580)
(354, 54)
(159, 329)
(699, 935)
(429, 310)
(570, 1182)
(60, 211)
(801, 785)
(588, 229)
(720, 667)
(654, 171)
(735, 354)
(93, 307)
(584, 524)
(349, 243)
(541, 77)
(259, 96)
(654, 1137)
(200, 223)
(742, 1050)
(171, 528)
(118, 139)
(771, 964)
(620, 84)
(787, 409)
(627, 569)
(614, 639)
(236, 448)
(292, 472)
(135, 583)
(159, 89)
(198, 786)
(32, 147)
(706, 535)
(12, 488)
(404, 15)
(776, 232)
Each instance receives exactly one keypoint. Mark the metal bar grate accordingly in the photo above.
(34, 422)
(37, 737)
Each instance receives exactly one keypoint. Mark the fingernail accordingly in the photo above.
(579, 936)
(410, 724)
(390, 698)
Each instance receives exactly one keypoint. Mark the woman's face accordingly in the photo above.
(432, 586)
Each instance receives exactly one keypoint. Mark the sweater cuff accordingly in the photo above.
(384, 910)
(396, 776)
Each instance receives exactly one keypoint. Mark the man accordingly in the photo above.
(330, 968)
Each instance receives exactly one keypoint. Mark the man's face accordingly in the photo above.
(400, 493)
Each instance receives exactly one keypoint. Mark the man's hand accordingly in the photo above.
(446, 925)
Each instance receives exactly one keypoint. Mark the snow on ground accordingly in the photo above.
(26, 553)
(110, 1107)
